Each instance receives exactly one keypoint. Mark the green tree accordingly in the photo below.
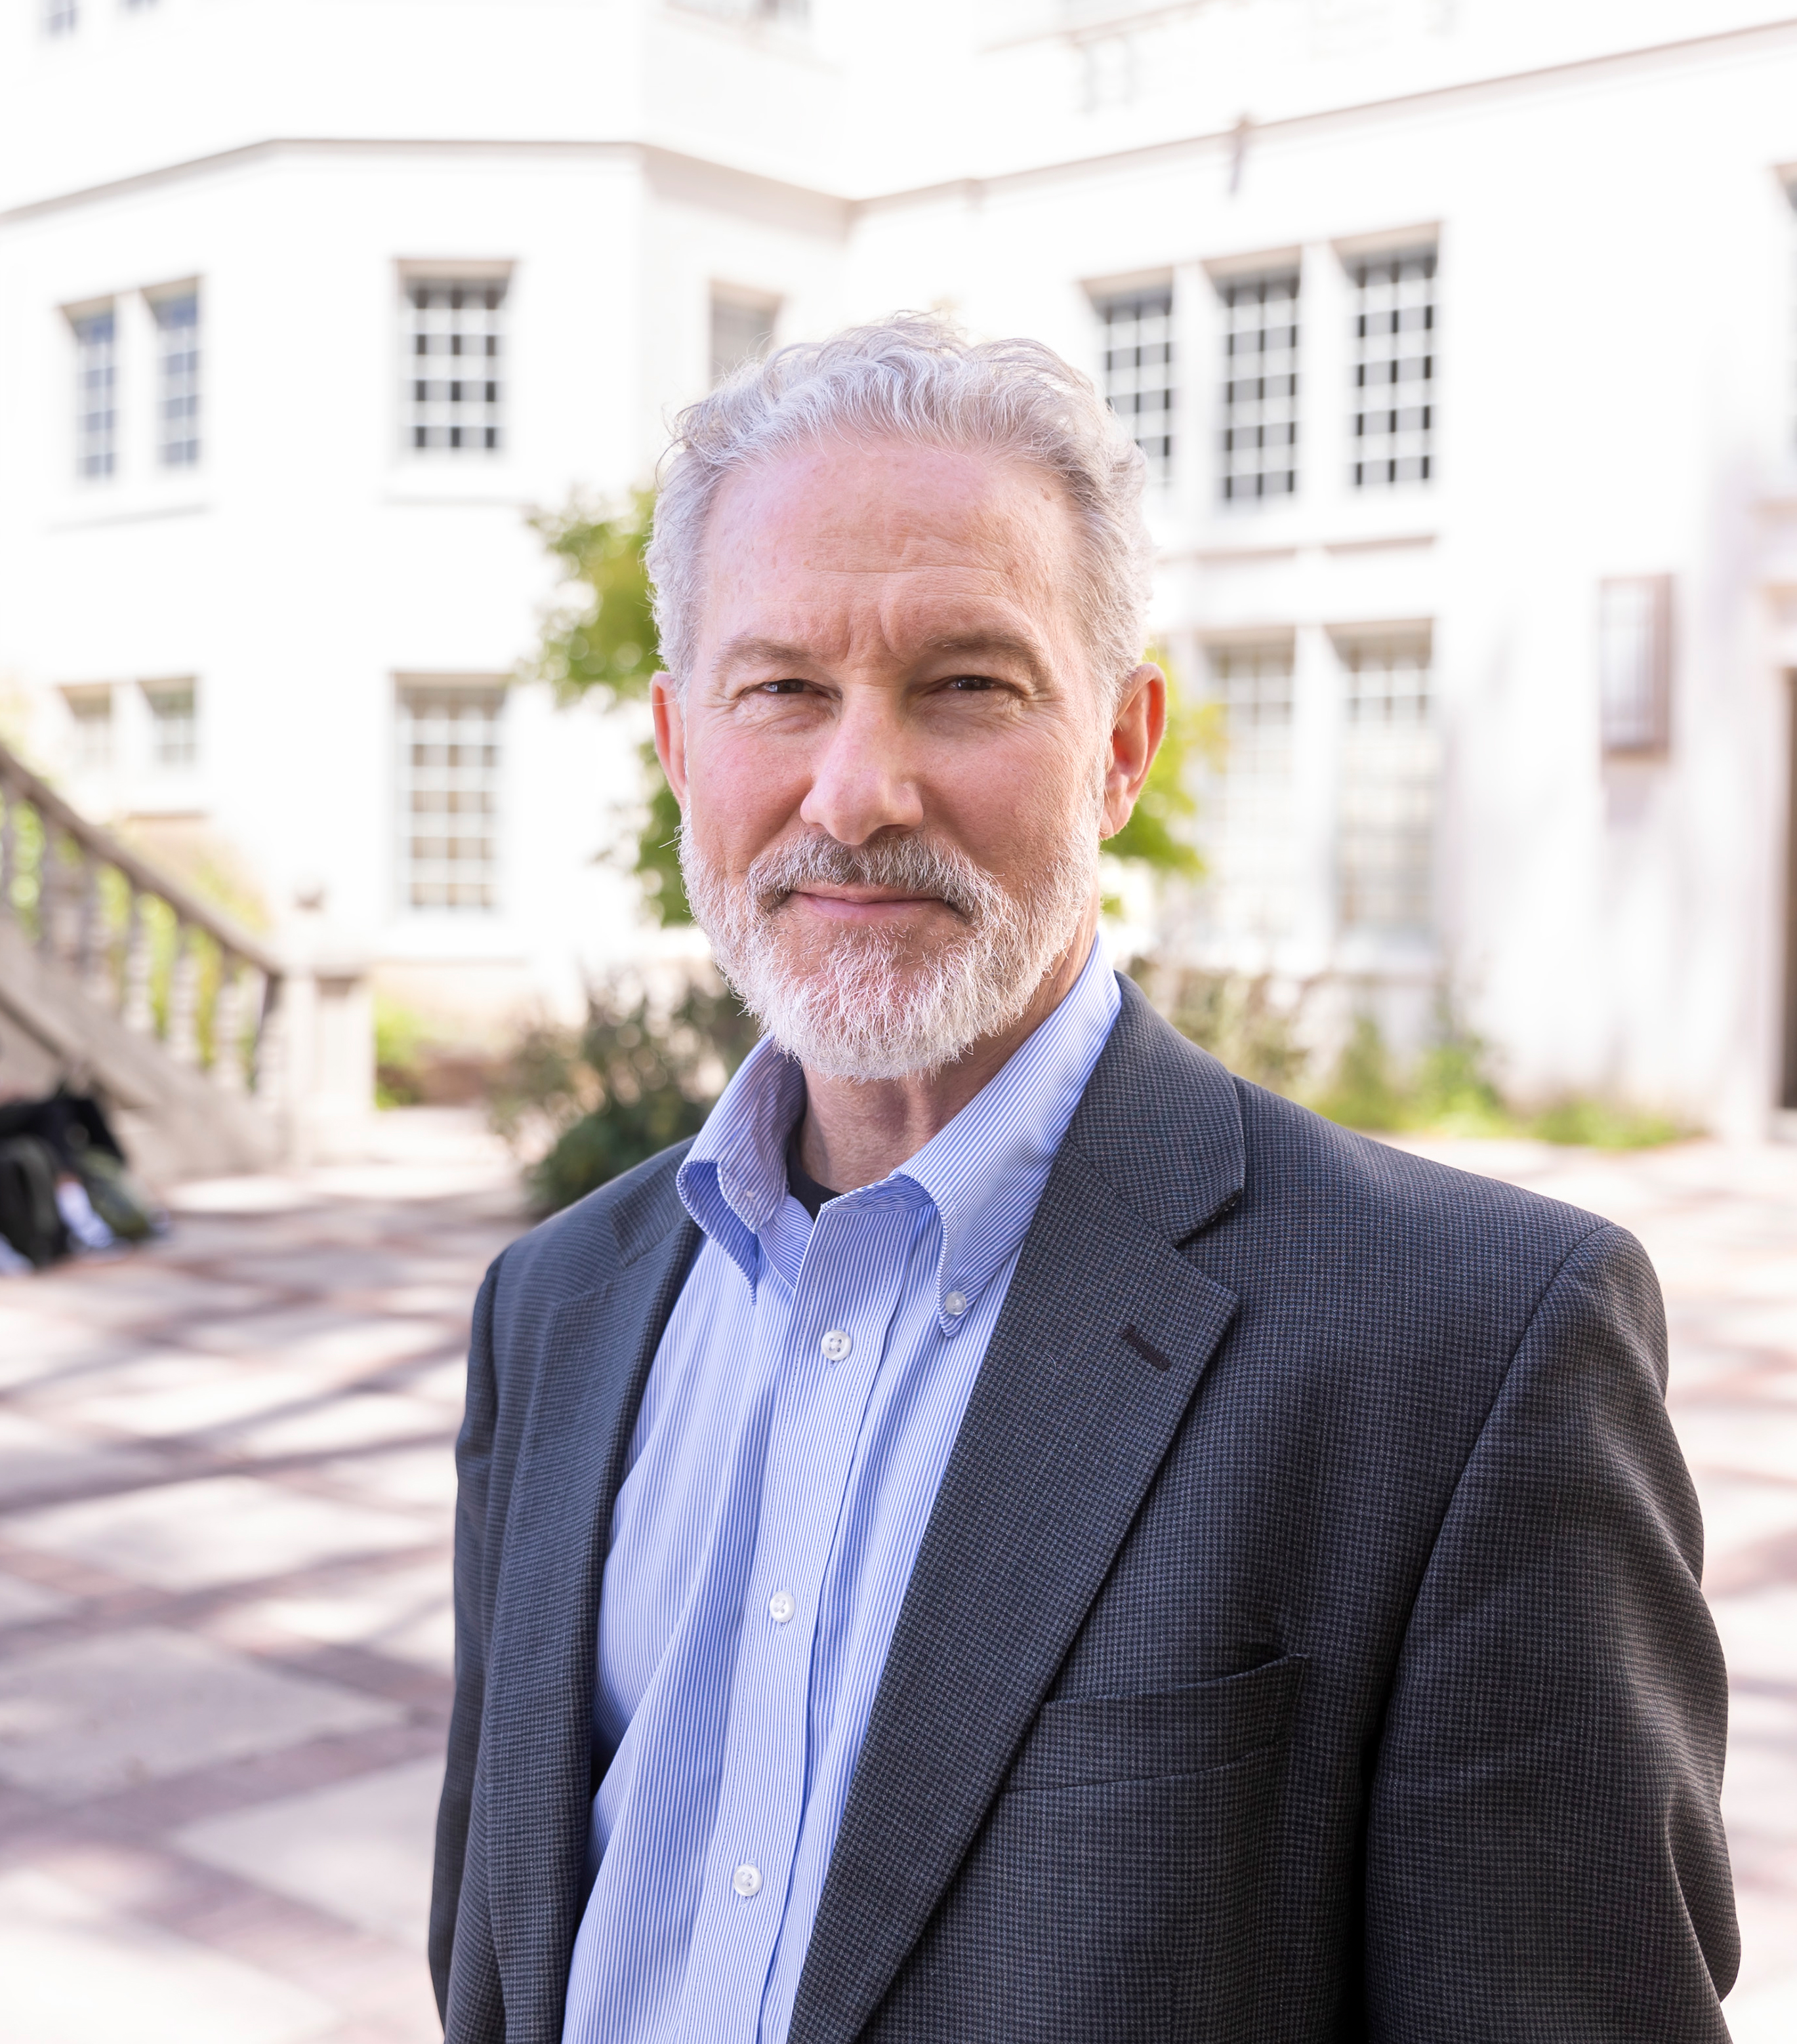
(1155, 834)
(606, 645)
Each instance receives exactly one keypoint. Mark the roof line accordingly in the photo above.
(249, 152)
(1718, 40)
(1647, 54)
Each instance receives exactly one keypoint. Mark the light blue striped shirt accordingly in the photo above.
(795, 1425)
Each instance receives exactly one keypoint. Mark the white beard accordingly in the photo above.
(862, 1010)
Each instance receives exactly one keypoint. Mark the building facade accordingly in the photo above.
(1459, 337)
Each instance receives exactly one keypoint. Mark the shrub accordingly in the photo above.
(1449, 1089)
(1233, 1016)
(637, 1076)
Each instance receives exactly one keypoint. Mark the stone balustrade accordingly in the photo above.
(141, 945)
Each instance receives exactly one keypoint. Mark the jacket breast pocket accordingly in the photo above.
(1120, 1879)
(1083, 1740)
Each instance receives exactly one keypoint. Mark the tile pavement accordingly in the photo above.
(225, 1495)
(224, 1634)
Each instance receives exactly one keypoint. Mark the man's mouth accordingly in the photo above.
(865, 905)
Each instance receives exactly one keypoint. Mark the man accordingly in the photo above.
(1014, 1534)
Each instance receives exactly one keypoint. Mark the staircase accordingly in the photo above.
(115, 978)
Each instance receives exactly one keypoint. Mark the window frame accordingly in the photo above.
(1634, 666)
(1357, 261)
(1163, 463)
(1291, 271)
(463, 691)
(94, 463)
(158, 300)
(182, 757)
(1364, 875)
(468, 275)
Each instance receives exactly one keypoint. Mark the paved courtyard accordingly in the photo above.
(225, 1636)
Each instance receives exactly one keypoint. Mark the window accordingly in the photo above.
(742, 330)
(454, 387)
(1386, 853)
(96, 388)
(449, 795)
(1138, 371)
(1251, 829)
(1260, 447)
(91, 711)
(1634, 663)
(60, 16)
(1394, 369)
(174, 726)
(178, 378)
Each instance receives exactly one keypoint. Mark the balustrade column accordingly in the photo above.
(95, 966)
(137, 989)
(9, 849)
(255, 1063)
(49, 890)
(183, 998)
(228, 1026)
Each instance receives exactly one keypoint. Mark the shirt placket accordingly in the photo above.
(849, 1286)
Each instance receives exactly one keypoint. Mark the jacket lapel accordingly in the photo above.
(1104, 1334)
(536, 1756)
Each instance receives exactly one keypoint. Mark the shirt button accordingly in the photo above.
(836, 1345)
(781, 1607)
(747, 1881)
(955, 1303)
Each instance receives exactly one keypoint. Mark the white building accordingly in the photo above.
(1460, 333)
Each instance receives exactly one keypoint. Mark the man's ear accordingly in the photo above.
(1135, 738)
(670, 733)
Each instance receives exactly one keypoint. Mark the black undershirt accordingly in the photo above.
(800, 1183)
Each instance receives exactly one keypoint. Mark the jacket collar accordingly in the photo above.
(1105, 1334)
(1161, 1123)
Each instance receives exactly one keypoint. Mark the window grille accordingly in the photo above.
(1259, 448)
(1251, 829)
(96, 386)
(449, 797)
(91, 712)
(174, 724)
(178, 379)
(1138, 371)
(1394, 369)
(1634, 662)
(742, 330)
(456, 371)
(60, 16)
(1386, 852)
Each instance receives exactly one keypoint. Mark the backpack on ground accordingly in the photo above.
(30, 1218)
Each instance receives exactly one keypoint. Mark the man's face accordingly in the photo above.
(893, 753)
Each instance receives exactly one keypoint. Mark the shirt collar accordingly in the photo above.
(983, 1173)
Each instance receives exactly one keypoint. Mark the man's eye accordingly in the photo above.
(972, 684)
(783, 688)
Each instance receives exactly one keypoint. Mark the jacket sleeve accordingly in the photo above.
(1545, 1855)
(474, 1456)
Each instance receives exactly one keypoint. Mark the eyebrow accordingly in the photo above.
(774, 652)
(779, 652)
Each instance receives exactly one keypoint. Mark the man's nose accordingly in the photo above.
(864, 782)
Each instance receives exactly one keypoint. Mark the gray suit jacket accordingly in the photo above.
(1306, 1642)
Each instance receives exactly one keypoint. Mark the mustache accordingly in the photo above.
(912, 864)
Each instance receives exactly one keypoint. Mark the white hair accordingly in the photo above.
(914, 377)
